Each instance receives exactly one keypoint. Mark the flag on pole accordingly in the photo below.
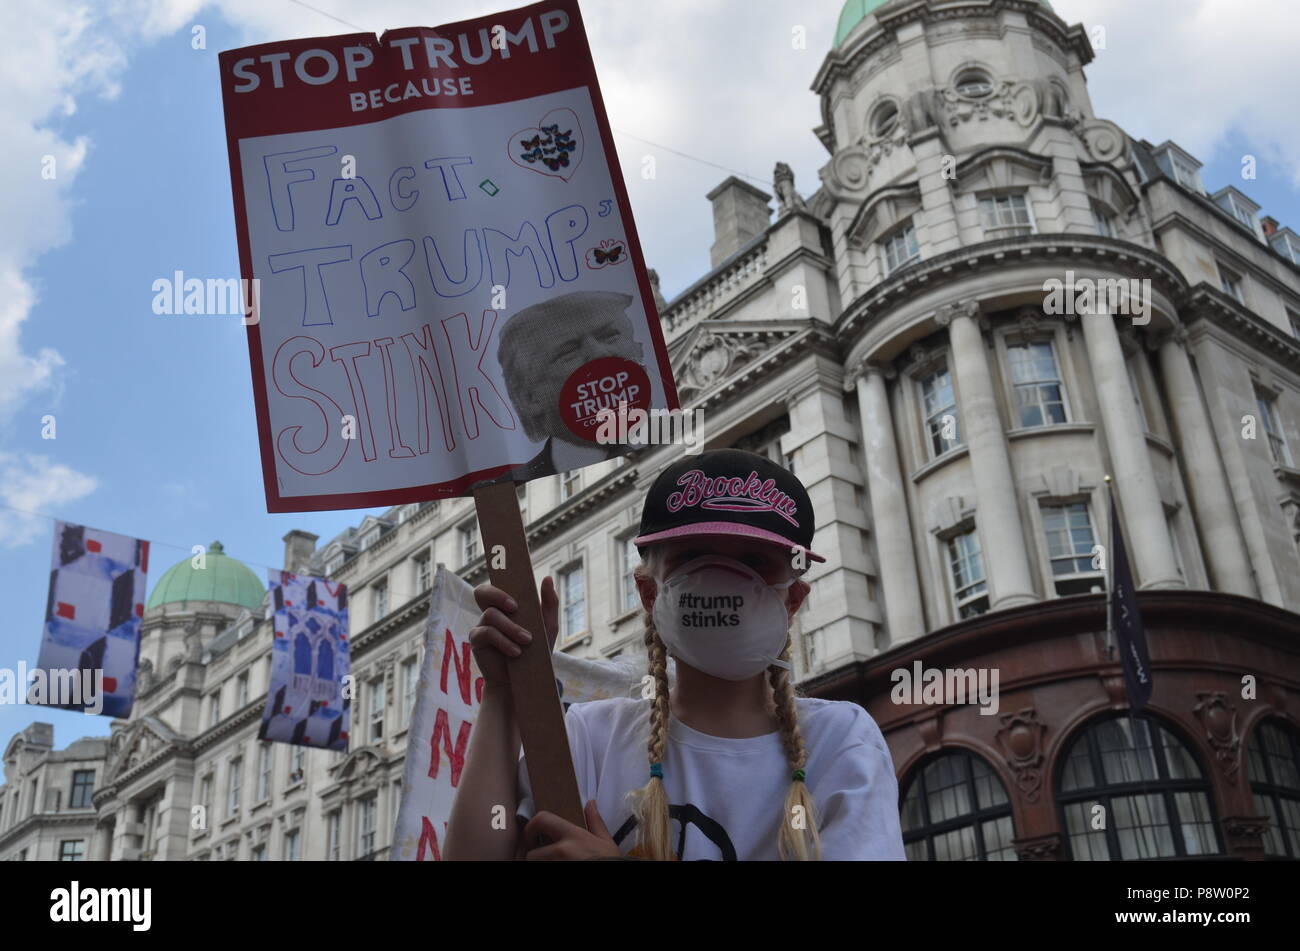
(1125, 621)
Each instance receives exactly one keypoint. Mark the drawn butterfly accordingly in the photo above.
(532, 143)
(560, 161)
(532, 156)
(608, 257)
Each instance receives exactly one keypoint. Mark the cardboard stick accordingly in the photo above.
(532, 678)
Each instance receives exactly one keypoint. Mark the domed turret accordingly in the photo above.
(222, 578)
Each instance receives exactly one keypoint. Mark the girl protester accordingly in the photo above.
(730, 763)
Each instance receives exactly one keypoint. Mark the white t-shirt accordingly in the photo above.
(727, 795)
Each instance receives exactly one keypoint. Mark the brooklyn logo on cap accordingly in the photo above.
(732, 494)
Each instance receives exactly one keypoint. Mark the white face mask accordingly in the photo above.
(719, 615)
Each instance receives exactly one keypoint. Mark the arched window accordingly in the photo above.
(1273, 764)
(1130, 789)
(956, 809)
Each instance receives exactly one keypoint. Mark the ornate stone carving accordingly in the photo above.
(1021, 740)
(660, 303)
(1016, 101)
(945, 314)
(783, 182)
(1104, 140)
(1043, 848)
(714, 357)
(1220, 723)
(850, 169)
(144, 676)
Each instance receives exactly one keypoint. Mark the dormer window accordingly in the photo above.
(974, 84)
(370, 537)
(1181, 167)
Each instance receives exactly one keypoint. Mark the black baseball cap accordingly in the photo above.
(729, 492)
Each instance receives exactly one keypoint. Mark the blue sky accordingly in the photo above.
(155, 427)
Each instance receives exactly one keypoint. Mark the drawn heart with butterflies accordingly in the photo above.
(610, 251)
(553, 147)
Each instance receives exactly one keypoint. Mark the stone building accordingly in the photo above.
(993, 300)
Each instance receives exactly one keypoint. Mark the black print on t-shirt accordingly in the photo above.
(689, 815)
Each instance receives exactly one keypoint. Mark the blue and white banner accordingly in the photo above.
(306, 704)
(91, 640)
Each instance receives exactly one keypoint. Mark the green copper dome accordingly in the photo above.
(222, 578)
(855, 11)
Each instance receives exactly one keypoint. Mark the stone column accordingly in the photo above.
(997, 512)
(1143, 512)
(1216, 514)
(889, 520)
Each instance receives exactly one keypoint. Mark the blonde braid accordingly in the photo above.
(798, 838)
(651, 800)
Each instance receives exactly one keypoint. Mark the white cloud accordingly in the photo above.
(35, 483)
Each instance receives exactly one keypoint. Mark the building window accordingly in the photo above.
(264, 753)
(410, 680)
(1230, 281)
(1039, 396)
(83, 784)
(334, 828)
(370, 537)
(573, 602)
(956, 809)
(380, 599)
(1294, 319)
(628, 560)
(884, 119)
(1154, 797)
(292, 846)
(1005, 216)
(1070, 542)
(1104, 221)
(205, 795)
(214, 708)
(423, 573)
(966, 565)
(241, 690)
(72, 850)
(570, 484)
(1185, 173)
(376, 690)
(1268, 418)
(366, 828)
(974, 84)
(297, 756)
(335, 563)
(234, 779)
(1274, 767)
(259, 853)
(468, 542)
(939, 403)
(900, 248)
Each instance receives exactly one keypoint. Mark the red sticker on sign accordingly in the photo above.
(597, 392)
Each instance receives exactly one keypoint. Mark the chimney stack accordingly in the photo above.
(299, 546)
(1270, 226)
(740, 214)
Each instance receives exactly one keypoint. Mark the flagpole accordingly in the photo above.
(1110, 569)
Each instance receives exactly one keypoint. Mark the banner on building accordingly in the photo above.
(448, 697)
(307, 703)
(437, 234)
(91, 642)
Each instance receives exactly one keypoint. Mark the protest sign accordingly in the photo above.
(306, 703)
(90, 645)
(447, 700)
(449, 284)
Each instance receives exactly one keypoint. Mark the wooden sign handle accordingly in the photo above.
(532, 677)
